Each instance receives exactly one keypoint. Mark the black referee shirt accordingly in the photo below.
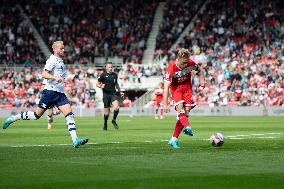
(110, 80)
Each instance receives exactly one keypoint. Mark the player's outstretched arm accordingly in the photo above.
(46, 75)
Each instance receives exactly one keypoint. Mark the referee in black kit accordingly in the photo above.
(108, 82)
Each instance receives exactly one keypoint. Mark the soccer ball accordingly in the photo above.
(217, 139)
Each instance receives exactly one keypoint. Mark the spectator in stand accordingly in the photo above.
(17, 44)
(95, 28)
(242, 51)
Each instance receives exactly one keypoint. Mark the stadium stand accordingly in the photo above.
(22, 87)
(17, 44)
(95, 28)
(240, 45)
(177, 15)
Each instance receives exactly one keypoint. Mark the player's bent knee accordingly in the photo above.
(37, 116)
(70, 118)
(70, 114)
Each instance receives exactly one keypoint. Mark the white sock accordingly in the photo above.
(16, 117)
(49, 119)
(27, 115)
(174, 138)
(187, 127)
(71, 126)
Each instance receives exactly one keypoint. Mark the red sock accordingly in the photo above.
(183, 119)
(178, 129)
(161, 112)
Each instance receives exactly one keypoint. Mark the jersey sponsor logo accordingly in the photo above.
(183, 72)
(167, 76)
(43, 105)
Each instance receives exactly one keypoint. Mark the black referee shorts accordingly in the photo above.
(109, 98)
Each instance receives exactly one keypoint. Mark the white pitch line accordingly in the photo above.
(235, 137)
(253, 134)
(267, 137)
(257, 134)
(114, 142)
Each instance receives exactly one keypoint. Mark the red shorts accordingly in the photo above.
(183, 95)
(159, 101)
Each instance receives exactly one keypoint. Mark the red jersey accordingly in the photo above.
(179, 77)
(127, 103)
(159, 95)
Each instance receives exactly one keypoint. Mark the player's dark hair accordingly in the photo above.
(109, 63)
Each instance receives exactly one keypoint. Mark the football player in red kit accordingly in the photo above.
(178, 80)
(159, 101)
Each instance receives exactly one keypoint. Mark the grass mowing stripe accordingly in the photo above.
(117, 142)
(253, 161)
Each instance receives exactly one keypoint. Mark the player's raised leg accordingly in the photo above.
(188, 130)
(26, 115)
(188, 105)
(71, 126)
(174, 140)
(182, 123)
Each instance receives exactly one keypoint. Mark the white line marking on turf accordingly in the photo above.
(114, 142)
(235, 137)
(253, 134)
(268, 137)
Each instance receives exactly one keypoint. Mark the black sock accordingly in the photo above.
(106, 118)
(115, 113)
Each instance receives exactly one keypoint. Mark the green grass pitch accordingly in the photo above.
(137, 155)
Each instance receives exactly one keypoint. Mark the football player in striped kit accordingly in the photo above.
(53, 94)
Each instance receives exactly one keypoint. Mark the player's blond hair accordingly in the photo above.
(183, 54)
(56, 43)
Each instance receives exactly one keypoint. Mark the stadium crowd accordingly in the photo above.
(95, 28)
(176, 16)
(17, 44)
(22, 87)
(240, 45)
